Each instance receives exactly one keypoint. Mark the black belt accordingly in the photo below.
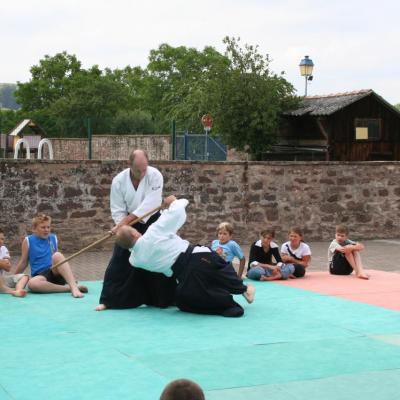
(181, 261)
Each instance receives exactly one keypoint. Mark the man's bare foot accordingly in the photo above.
(363, 276)
(19, 293)
(249, 293)
(83, 289)
(76, 293)
(101, 307)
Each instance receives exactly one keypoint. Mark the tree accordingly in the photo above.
(397, 106)
(175, 83)
(93, 95)
(61, 96)
(247, 101)
(50, 81)
(7, 99)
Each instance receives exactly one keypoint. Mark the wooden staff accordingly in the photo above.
(103, 239)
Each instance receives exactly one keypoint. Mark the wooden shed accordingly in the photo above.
(352, 126)
(26, 129)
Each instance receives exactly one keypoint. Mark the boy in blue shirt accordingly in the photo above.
(227, 248)
(40, 250)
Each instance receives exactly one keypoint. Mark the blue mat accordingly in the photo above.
(290, 344)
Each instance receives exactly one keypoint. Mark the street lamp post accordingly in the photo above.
(306, 68)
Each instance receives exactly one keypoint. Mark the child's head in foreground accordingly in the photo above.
(224, 232)
(182, 389)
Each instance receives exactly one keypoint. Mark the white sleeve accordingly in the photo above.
(4, 253)
(153, 195)
(333, 246)
(171, 219)
(306, 250)
(117, 203)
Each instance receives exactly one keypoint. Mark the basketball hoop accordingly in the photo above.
(207, 122)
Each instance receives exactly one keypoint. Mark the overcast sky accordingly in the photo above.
(354, 44)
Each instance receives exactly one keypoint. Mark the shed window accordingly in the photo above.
(368, 129)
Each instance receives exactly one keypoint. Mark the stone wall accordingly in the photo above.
(110, 147)
(315, 196)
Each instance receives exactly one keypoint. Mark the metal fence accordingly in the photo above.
(190, 146)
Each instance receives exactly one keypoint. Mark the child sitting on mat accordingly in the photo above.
(296, 252)
(261, 267)
(10, 284)
(40, 250)
(227, 248)
(344, 255)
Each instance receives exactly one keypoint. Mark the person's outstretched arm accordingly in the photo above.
(172, 219)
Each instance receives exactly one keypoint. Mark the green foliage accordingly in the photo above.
(245, 98)
(249, 99)
(7, 99)
(397, 106)
(132, 122)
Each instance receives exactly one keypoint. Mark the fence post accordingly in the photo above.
(89, 131)
(173, 140)
(186, 145)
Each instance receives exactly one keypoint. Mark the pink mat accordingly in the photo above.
(382, 289)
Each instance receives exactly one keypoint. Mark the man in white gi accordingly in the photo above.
(134, 192)
(206, 281)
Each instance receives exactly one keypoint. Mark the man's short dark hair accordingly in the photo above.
(182, 389)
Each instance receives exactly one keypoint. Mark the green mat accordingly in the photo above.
(291, 344)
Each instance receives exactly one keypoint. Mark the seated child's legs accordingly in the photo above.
(17, 281)
(287, 270)
(256, 273)
(299, 270)
(339, 265)
(275, 276)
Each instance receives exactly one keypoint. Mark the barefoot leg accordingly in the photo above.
(249, 293)
(66, 272)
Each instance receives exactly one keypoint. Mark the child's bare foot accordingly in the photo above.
(101, 307)
(76, 293)
(276, 274)
(19, 293)
(363, 276)
(83, 289)
(249, 293)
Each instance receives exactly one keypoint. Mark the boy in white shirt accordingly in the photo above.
(344, 255)
(296, 252)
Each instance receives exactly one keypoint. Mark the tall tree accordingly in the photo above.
(248, 99)
(177, 78)
(50, 81)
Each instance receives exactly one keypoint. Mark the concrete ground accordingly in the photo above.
(378, 254)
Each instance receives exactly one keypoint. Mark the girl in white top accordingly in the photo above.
(296, 252)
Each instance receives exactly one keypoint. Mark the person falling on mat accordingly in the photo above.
(206, 281)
